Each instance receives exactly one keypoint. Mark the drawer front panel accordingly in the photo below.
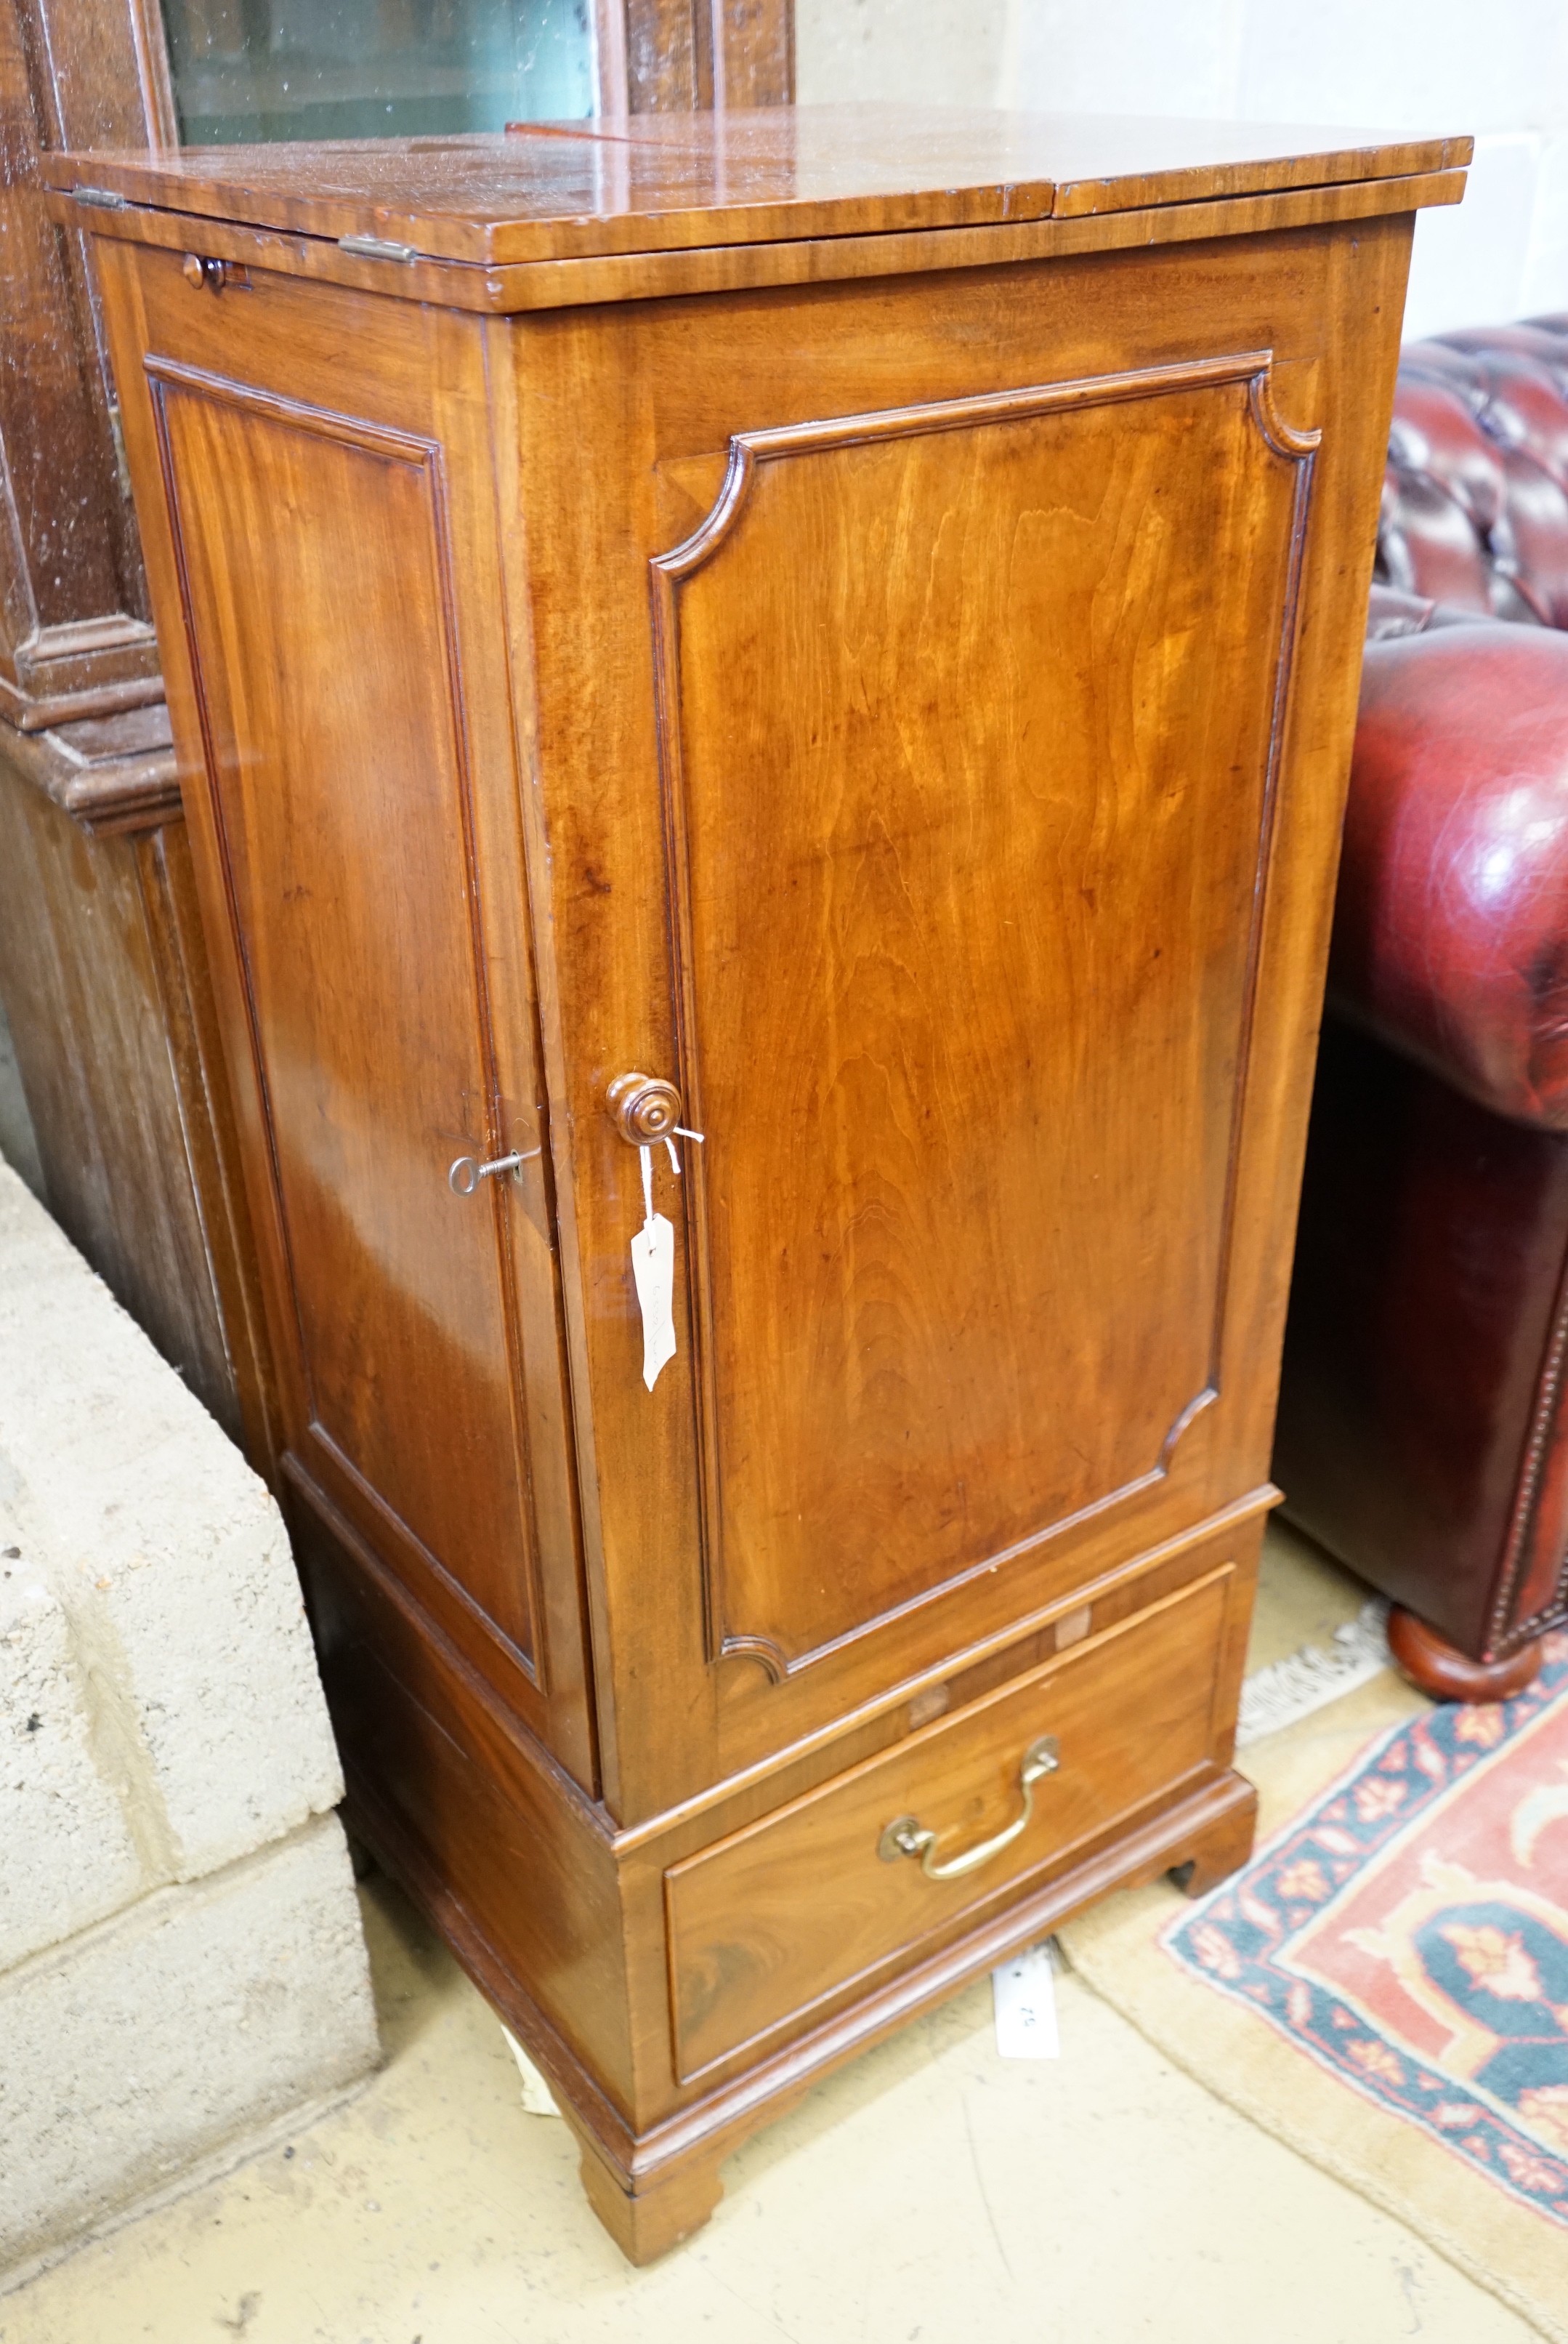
(779, 1916)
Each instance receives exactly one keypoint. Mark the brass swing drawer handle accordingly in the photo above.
(908, 1836)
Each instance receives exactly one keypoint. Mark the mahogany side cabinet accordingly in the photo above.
(763, 703)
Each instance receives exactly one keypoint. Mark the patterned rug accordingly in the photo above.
(1411, 1934)
(1392, 1970)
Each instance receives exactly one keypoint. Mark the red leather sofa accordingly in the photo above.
(1423, 1430)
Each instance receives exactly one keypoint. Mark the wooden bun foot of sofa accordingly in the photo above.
(1433, 1665)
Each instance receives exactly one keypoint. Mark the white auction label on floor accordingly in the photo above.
(1024, 1991)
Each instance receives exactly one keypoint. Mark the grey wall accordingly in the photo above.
(1441, 65)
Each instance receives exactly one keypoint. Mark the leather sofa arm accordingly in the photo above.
(1391, 613)
(1451, 929)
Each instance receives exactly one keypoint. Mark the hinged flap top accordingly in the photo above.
(651, 183)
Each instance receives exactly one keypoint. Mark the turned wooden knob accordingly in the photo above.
(645, 1109)
(1435, 1666)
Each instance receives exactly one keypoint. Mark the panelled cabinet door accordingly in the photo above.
(968, 767)
(369, 859)
(969, 721)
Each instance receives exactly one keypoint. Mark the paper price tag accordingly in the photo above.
(653, 1267)
(1023, 1992)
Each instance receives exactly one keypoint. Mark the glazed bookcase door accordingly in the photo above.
(357, 69)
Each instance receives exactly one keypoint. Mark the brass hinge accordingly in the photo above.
(376, 247)
(102, 199)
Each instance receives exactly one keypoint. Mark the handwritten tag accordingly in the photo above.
(653, 1267)
(1023, 1992)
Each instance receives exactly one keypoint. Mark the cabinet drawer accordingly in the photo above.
(786, 1912)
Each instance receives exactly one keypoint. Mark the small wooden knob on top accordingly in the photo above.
(644, 1110)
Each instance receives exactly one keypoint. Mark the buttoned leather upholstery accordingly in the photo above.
(1451, 936)
(1475, 496)
(1421, 1434)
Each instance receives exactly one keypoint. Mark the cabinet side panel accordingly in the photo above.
(460, 1804)
(317, 615)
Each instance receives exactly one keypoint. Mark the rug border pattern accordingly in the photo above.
(1236, 1940)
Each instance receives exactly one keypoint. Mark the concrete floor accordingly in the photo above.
(932, 2191)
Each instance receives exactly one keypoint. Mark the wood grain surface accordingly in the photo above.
(908, 713)
(942, 1096)
(767, 1923)
(669, 182)
(75, 639)
(507, 292)
(104, 976)
(359, 832)
(348, 846)
(615, 960)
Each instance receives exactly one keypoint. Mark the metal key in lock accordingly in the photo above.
(465, 1173)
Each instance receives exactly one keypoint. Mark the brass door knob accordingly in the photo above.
(644, 1108)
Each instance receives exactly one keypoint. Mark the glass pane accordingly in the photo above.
(246, 70)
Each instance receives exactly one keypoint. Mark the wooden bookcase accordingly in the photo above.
(103, 972)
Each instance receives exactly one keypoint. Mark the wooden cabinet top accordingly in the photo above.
(552, 192)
